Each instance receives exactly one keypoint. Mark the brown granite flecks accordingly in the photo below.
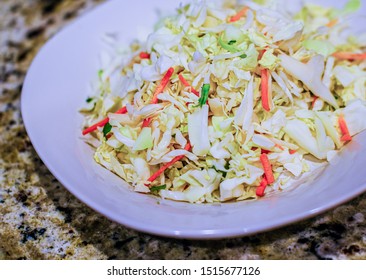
(39, 219)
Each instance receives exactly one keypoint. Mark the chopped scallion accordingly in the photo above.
(158, 188)
(106, 129)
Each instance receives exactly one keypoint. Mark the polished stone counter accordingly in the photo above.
(40, 219)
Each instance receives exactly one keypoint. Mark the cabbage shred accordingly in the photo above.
(226, 125)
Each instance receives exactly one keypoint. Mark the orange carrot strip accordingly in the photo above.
(144, 55)
(103, 122)
(184, 81)
(239, 15)
(332, 22)
(280, 147)
(169, 164)
(349, 56)
(346, 136)
(267, 168)
(265, 89)
(262, 187)
(159, 89)
(186, 84)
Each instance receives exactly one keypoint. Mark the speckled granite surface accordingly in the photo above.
(39, 219)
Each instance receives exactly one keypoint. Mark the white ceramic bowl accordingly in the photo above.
(56, 87)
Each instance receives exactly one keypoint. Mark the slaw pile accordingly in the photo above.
(229, 100)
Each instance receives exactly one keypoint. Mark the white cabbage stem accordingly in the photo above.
(310, 74)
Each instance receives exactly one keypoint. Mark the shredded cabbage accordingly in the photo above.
(210, 68)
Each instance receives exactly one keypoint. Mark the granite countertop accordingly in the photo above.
(40, 219)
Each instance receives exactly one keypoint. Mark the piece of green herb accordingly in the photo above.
(219, 171)
(89, 99)
(204, 95)
(100, 73)
(158, 188)
(106, 129)
(229, 47)
(227, 165)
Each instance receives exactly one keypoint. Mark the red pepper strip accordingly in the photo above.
(144, 55)
(265, 89)
(349, 56)
(169, 164)
(267, 168)
(263, 151)
(344, 129)
(314, 100)
(292, 152)
(239, 15)
(103, 122)
(261, 53)
(146, 122)
(159, 89)
(262, 187)
(186, 84)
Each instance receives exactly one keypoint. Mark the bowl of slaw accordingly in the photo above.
(57, 100)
